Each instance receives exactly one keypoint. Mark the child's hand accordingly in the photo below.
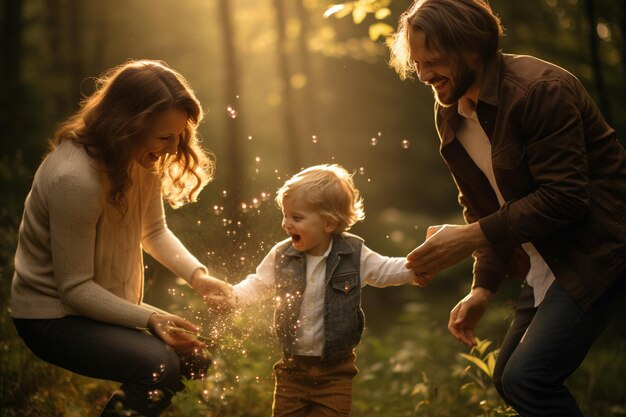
(217, 294)
(422, 280)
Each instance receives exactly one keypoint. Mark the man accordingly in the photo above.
(542, 181)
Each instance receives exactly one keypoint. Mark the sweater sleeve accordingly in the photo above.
(158, 240)
(75, 203)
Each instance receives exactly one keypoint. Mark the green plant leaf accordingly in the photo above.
(491, 362)
(379, 29)
(359, 14)
(482, 345)
(476, 361)
(382, 13)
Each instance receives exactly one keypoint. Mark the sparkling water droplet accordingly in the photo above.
(155, 395)
(206, 395)
(314, 138)
(379, 134)
(250, 137)
(373, 141)
(362, 170)
(405, 144)
(257, 159)
(232, 113)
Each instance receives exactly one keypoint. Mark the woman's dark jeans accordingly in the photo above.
(149, 370)
(544, 346)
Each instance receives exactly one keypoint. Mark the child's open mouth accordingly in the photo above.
(296, 237)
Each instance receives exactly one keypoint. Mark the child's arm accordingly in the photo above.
(217, 294)
(383, 271)
(257, 286)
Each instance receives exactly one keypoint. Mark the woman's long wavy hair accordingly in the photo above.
(113, 120)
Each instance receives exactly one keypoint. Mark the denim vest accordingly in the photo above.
(343, 317)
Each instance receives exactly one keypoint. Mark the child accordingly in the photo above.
(316, 276)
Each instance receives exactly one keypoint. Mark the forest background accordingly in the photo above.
(284, 87)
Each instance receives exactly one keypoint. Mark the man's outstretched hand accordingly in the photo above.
(467, 313)
(445, 246)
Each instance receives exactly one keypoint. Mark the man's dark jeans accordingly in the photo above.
(545, 345)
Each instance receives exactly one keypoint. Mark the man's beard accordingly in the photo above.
(462, 79)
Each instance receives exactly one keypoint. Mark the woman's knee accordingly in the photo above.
(162, 369)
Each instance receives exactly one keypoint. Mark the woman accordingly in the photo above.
(95, 203)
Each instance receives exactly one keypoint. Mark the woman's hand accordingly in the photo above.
(162, 326)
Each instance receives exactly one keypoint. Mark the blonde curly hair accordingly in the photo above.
(329, 189)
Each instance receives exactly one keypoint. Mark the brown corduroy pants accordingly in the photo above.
(308, 387)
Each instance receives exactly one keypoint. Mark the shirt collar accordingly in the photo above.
(466, 108)
(327, 252)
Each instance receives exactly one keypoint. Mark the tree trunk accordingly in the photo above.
(310, 101)
(100, 28)
(10, 70)
(596, 65)
(234, 157)
(57, 64)
(287, 108)
(76, 53)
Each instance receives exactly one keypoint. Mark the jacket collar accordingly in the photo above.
(490, 88)
(489, 91)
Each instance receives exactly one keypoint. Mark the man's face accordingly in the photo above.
(449, 79)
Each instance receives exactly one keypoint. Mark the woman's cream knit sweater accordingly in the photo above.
(77, 255)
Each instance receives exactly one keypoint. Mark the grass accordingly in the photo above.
(413, 368)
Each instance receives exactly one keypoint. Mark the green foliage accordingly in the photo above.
(359, 10)
(481, 389)
(418, 371)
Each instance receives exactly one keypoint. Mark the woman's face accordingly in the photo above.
(161, 137)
